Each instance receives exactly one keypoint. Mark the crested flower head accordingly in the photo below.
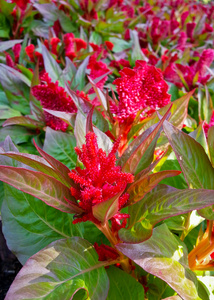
(53, 97)
(140, 88)
(73, 45)
(100, 180)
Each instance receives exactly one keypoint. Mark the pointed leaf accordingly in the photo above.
(51, 66)
(165, 256)
(38, 163)
(161, 203)
(105, 210)
(139, 154)
(29, 224)
(39, 185)
(142, 186)
(23, 121)
(61, 146)
(8, 44)
(191, 157)
(59, 271)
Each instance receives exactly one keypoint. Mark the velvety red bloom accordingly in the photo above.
(100, 180)
(21, 3)
(98, 68)
(190, 29)
(106, 252)
(53, 97)
(182, 41)
(16, 50)
(33, 55)
(109, 45)
(140, 88)
(119, 64)
(73, 45)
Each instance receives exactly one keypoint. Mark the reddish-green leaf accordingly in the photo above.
(23, 121)
(165, 256)
(41, 186)
(161, 203)
(105, 210)
(38, 163)
(139, 154)
(192, 158)
(145, 184)
(59, 271)
(56, 164)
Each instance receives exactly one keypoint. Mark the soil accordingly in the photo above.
(9, 266)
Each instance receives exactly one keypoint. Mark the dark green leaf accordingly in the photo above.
(123, 286)
(29, 224)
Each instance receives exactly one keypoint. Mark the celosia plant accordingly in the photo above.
(110, 104)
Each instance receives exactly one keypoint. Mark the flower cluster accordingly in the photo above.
(140, 88)
(53, 97)
(100, 180)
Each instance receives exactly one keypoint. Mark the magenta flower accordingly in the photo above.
(140, 88)
(53, 97)
(100, 180)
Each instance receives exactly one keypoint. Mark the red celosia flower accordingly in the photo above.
(21, 3)
(100, 180)
(73, 45)
(109, 45)
(119, 64)
(32, 54)
(54, 97)
(16, 50)
(140, 88)
(106, 252)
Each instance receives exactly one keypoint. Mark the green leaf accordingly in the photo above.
(40, 185)
(161, 203)
(136, 53)
(59, 271)
(165, 256)
(171, 163)
(61, 145)
(51, 66)
(8, 44)
(6, 112)
(18, 134)
(199, 136)
(211, 143)
(4, 26)
(191, 157)
(123, 286)
(79, 79)
(119, 44)
(145, 184)
(29, 224)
